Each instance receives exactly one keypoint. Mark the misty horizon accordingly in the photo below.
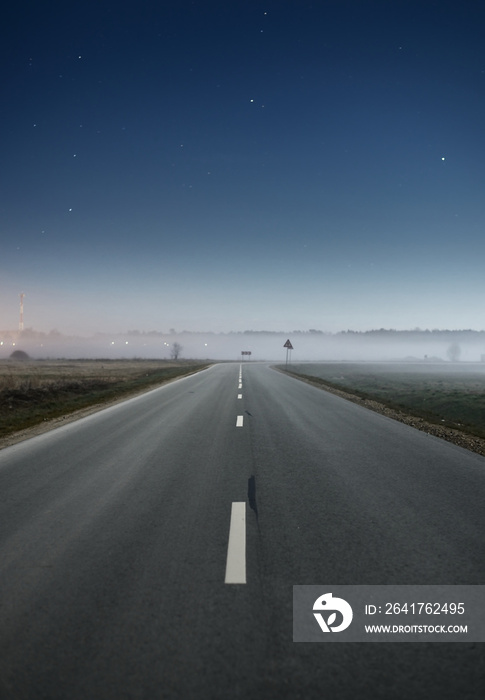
(438, 346)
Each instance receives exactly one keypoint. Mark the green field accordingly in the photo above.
(449, 395)
(36, 391)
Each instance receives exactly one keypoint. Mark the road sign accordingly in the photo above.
(245, 352)
(289, 348)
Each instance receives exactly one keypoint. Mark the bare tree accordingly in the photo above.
(454, 352)
(175, 351)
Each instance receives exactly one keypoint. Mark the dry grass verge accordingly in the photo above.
(36, 396)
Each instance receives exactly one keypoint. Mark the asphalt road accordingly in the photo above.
(114, 538)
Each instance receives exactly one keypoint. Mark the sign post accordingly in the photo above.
(245, 352)
(289, 348)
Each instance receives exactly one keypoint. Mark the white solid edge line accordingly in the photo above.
(236, 548)
(239, 421)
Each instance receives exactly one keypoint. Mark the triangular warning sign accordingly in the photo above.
(288, 345)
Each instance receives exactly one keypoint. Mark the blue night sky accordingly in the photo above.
(219, 166)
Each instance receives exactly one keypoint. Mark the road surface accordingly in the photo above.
(118, 579)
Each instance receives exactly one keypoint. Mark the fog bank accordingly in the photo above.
(382, 345)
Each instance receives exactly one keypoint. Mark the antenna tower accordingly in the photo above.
(21, 320)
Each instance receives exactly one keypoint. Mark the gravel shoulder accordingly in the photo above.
(457, 437)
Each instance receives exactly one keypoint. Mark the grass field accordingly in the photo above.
(36, 391)
(448, 395)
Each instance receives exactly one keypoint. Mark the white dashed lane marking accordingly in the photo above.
(236, 547)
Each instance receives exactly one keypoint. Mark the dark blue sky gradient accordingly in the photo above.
(243, 165)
